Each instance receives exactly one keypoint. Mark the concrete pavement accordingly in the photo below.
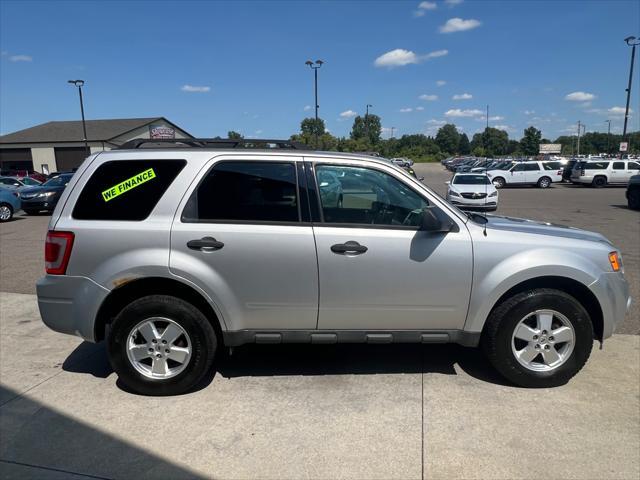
(297, 411)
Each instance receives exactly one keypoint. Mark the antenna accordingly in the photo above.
(486, 220)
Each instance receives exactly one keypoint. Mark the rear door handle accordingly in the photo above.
(205, 243)
(348, 247)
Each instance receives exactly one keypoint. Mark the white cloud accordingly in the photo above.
(258, 132)
(423, 7)
(195, 89)
(433, 121)
(401, 57)
(348, 114)
(307, 108)
(459, 25)
(428, 98)
(419, 109)
(580, 97)
(462, 96)
(456, 112)
(617, 111)
(406, 110)
(20, 58)
(453, 3)
(441, 83)
(496, 118)
(529, 112)
(506, 128)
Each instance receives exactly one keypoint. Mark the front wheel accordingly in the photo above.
(539, 338)
(6, 212)
(634, 199)
(161, 345)
(544, 182)
(499, 182)
(599, 181)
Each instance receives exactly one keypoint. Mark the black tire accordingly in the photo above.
(5, 206)
(201, 333)
(544, 182)
(499, 182)
(599, 181)
(499, 329)
(633, 199)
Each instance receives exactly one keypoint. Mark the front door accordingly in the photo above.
(516, 174)
(240, 238)
(618, 172)
(377, 270)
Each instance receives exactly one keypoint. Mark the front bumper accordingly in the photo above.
(70, 304)
(612, 291)
(39, 204)
(489, 203)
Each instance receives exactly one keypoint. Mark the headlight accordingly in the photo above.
(46, 194)
(494, 194)
(453, 194)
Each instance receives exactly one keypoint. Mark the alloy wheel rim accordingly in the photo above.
(158, 348)
(543, 340)
(5, 213)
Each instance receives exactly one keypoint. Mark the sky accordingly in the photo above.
(211, 67)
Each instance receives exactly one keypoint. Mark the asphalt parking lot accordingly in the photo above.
(341, 411)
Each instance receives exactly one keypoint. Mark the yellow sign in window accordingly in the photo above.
(128, 184)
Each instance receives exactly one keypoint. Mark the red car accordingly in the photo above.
(25, 173)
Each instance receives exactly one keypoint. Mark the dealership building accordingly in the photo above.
(59, 146)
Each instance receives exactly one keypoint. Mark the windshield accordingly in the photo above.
(30, 181)
(471, 180)
(57, 181)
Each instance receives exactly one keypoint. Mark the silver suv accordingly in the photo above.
(171, 254)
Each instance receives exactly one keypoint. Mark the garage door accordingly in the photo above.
(68, 158)
(15, 159)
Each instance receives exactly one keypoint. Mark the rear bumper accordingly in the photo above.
(70, 304)
(612, 291)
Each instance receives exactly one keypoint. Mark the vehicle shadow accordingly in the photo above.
(621, 206)
(309, 360)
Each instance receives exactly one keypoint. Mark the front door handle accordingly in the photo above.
(349, 247)
(206, 244)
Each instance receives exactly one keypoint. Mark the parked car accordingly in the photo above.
(541, 174)
(402, 162)
(9, 203)
(567, 168)
(633, 193)
(472, 191)
(44, 197)
(19, 182)
(599, 173)
(171, 254)
(24, 174)
(495, 165)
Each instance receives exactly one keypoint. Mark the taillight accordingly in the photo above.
(57, 250)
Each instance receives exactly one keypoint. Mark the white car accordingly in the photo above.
(541, 174)
(472, 190)
(602, 172)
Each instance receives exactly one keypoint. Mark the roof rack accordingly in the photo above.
(212, 143)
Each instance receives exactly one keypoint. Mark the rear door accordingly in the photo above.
(532, 172)
(241, 236)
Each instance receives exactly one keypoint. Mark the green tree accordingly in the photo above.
(530, 142)
(368, 127)
(311, 127)
(464, 147)
(448, 138)
(234, 135)
(494, 141)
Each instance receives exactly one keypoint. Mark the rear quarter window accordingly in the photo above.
(596, 165)
(126, 189)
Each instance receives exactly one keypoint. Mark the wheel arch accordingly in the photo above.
(119, 297)
(576, 289)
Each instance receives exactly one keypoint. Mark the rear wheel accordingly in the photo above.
(6, 212)
(599, 181)
(161, 345)
(538, 338)
(544, 182)
(499, 182)
(634, 199)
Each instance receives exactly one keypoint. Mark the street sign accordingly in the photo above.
(550, 148)
(624, 146)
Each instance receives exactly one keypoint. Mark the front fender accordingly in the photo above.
(491, 282)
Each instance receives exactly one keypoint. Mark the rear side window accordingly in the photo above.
(551, 165)
(595, 165)
(618, 165)
(245, 192)
(126, 189)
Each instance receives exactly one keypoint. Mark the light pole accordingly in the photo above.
(580, 126)
(366, 120)
(632, 44)
(79, 84)
(315, 66)
(392, 129)
(608, 135)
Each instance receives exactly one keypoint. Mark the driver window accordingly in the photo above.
(355, 195)
(518, 168)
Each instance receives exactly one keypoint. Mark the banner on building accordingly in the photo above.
(161, 131)
(550, 148)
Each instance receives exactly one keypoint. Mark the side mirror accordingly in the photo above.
(420, 179)
(431, 223)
